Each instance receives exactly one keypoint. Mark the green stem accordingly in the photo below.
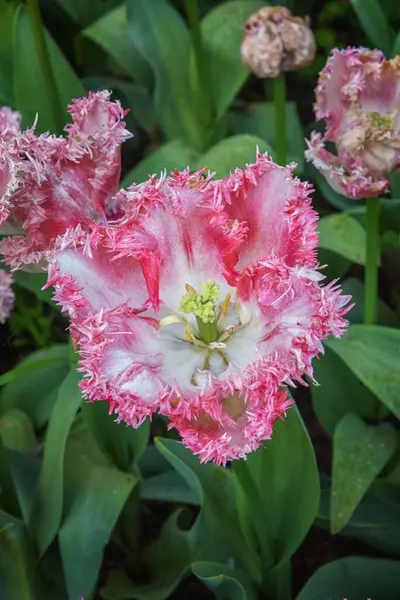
(372, 261)
(45, 64)
(193, 16)
(279, 94)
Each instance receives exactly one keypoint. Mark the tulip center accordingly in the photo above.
(203, 306)
(211, 331)
(379, 120)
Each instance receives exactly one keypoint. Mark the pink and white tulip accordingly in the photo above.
(202, 304)
(6, 295)
(50, 183)
(358, 96)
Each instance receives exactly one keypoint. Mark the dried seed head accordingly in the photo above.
(276, 41)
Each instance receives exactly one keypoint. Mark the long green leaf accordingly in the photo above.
(222, 29)
(111, 33)
(161, 36)
(167, 560)
(375, 521)
(216, 535)
(17, 431)
(224, 582)
(86, 12)
(18, 573)
(374, 23)
(356, 578)
(123, 445)
(7, 10)
(280, 490)
(48, 503)
(339, 392)
(33, 385)
(28, 76)
(8, 495)
(373, 354)
(89, 524)
(360, 452)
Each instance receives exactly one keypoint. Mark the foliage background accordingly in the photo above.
(89, 508)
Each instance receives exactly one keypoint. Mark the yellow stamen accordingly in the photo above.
(172, 320)
(190, 290)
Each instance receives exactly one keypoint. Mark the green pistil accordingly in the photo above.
(203, 307)
(380, 120)
(208, 331)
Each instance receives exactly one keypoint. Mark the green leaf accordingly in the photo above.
(8, 495)
(344, 235)
(111, 33)
(231, 153)
(33, 282)
(48, 503)
(123, 445)
(224, 582)
(27, 368)
(360, 452)
(28, 76)
(334, 198)
(173, 155)
(17, 563)
(374, 23)
(356, 578)
(372, 352)
(222, 31)
(17, 431)
(86, 12)
(334, 265)
(355, 288)
(25, 470)
(168, 487)
(339, 392)
(7, 10)
(167, 560)
(161, 36)
(216, 535)
(36, 391)
(256, 120)
(88, 526)
(376, 520)
(280, 490)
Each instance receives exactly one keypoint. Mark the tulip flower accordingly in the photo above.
(202, 303)
(50, 183)
(358, 97)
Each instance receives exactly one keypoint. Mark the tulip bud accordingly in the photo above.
(277, 41)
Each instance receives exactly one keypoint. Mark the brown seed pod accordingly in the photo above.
(275, 41)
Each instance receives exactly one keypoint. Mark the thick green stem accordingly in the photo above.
(193, 16)
(280, 118)
(45, 64)
(372, 262)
